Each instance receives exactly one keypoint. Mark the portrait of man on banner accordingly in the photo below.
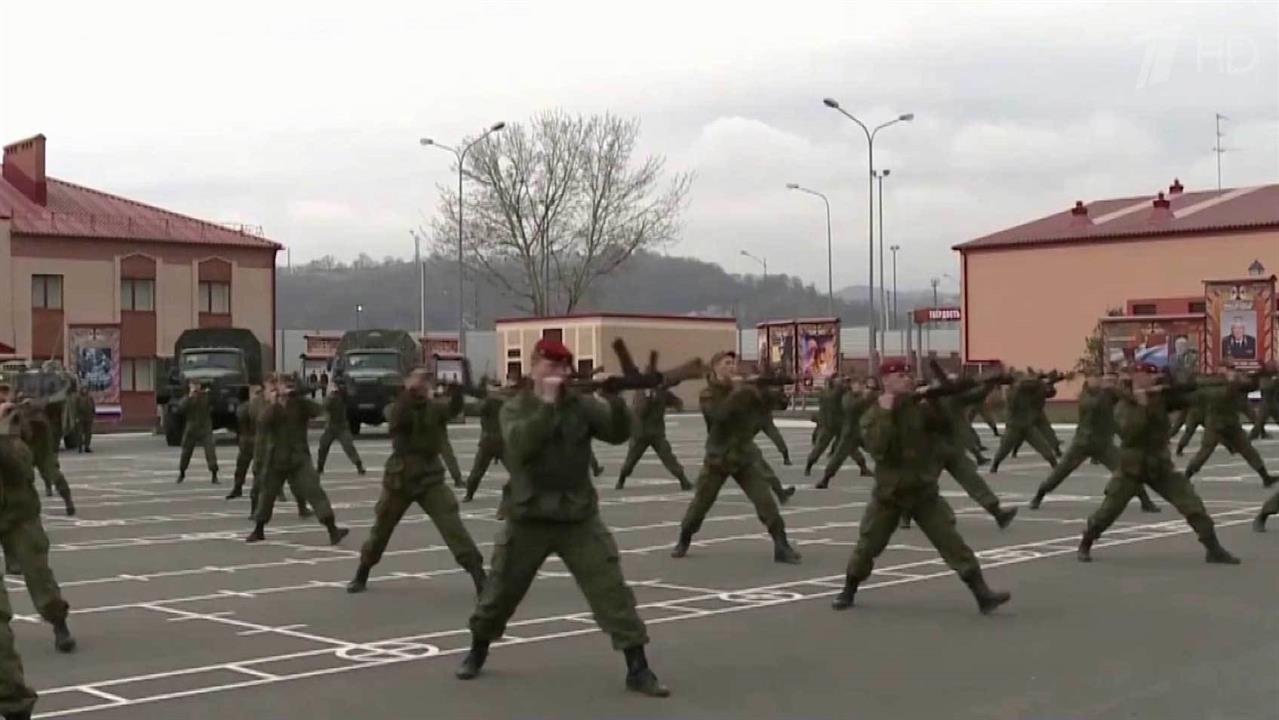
(1241, 322)
(94, 355)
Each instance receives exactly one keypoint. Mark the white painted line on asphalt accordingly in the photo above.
(761, 597)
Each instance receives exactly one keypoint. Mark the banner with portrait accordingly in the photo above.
(1176, 343)
(781, 348)
(1240, 322)
(818, 351)
(94, 357)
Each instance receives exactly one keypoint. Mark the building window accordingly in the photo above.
(514, 371)
(215, 298)
(1143, 309)
(556, 334)
(585, 367)
(46, 292)
(1198, 306)
(137, 375)
(513, 353)
(137, 295)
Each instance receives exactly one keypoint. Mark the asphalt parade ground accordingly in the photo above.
(177, 617)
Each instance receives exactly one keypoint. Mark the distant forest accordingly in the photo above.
(324, 294)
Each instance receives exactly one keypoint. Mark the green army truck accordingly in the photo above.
(371, 365)
(226, 360)
(50, 385)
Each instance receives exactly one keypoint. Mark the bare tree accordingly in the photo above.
(555, 205)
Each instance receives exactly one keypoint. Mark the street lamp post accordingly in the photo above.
(358, 309)
(830, 278)
(760, 260)
(421, 283)
(883, 289)
(461, 165)
(894, 249)
(870, 239)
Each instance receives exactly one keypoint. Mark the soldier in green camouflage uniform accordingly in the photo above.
(1269, 408)
(258, 453)
(288, 458)
(414, 474)
(1192, 418)
(830, 409)
(953, 442)
(197, 429)
(854, 403)
(554, 508)
(450, 462)
(246, 428)
(22, 535)
(649, 430)
(489, 409)
(731, 410)
(86, 411)
(901, 433)
(17, 699)
(1024, 397)
(337, 427)
(1141, 417)
(777, 401)
(37, 433)
(1224, 397)
(1094, 439)
(1042, 423)
(985, 411)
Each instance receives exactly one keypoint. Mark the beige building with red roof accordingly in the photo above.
(80, 263)
(1032, 293)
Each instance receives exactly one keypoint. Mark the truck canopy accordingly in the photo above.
(399, 341)
(225, 338)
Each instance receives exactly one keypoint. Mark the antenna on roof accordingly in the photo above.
(1218, 149)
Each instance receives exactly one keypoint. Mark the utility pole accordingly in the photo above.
(421, 283)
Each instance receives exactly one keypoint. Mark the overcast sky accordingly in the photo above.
(305, 117)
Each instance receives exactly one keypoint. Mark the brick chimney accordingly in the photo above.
(1079, 215)
(24, 168)
(1161, 209)
(1176, 187)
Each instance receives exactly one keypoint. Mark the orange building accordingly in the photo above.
(96, 280)
(1031, 294)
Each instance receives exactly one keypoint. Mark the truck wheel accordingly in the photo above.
(172, 430)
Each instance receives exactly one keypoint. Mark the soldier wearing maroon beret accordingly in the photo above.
(552, 507)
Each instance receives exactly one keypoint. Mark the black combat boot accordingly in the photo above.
(1004, 516)
(62, 639)
(473, 663)
(68, 503)
(823, 484)
(788, 492)
(684, 484)
(786, 459)
(639, 678)
(987, 599)
(182, 476)
(19, 715)
(478, 577)
(1084, 553)
(359, 470)
(904, 523)
(1259, 522)
(335, 533)
(681, 545)
(782, 551)
(258, 534)
(1267, 479)
(303, 510)
(621, 483)
(214, 474)
(1148, 505)
(981, 460)
(1215, 552)
(48, 489)
(1037, 500)
(844, 599)
(360, 582)
(237, 490)
(865, 472)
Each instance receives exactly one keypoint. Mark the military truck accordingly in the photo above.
(227, 360)
(371, 365)
(50, 385)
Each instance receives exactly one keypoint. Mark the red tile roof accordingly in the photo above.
(80, 212)
(1223, 210)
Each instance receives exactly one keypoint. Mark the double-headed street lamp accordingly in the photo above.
(883, 288)
(894, 249)
(830, 280)
(759, 260)
(461, 160)
(870, 240)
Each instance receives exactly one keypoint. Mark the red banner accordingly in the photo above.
(937, 314)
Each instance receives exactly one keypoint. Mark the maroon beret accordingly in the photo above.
(1147, 368)
(892, 367)
(553, 350)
